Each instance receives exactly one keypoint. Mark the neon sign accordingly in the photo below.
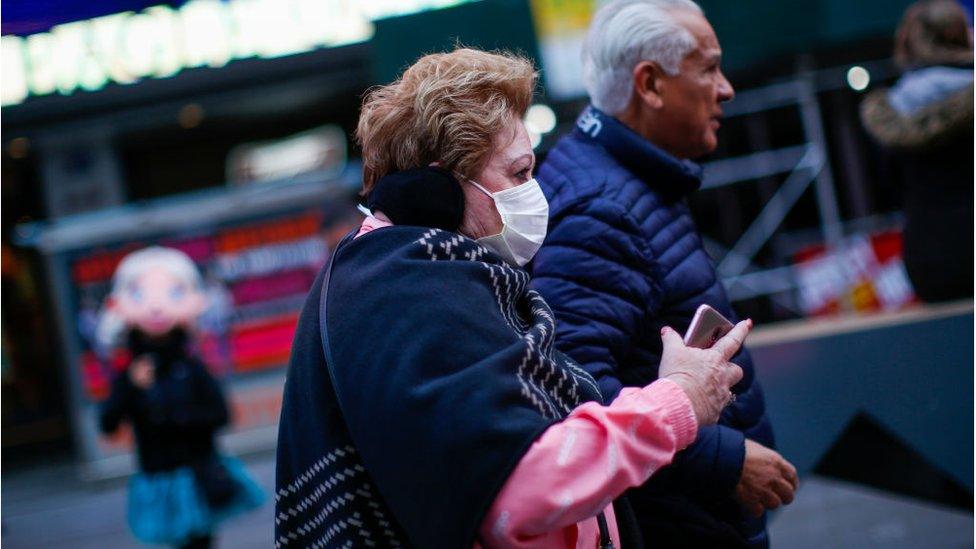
(160, 41)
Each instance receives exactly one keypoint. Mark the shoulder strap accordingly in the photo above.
(323, 302)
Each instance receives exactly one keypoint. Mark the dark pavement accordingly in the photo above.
(50, 508)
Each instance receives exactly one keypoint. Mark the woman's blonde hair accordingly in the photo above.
(446, 108)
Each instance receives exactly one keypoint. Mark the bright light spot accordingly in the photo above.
(161, 41)
(858, 78)
(534, 137)
(540, 119)
(13, 87)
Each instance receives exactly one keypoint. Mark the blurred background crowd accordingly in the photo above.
(223, 128)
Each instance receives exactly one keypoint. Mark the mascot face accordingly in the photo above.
(156, 301)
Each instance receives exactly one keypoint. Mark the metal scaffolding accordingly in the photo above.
(807, 165)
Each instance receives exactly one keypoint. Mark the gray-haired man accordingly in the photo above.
(623, 259)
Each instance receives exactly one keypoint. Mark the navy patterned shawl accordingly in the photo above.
(438, 374)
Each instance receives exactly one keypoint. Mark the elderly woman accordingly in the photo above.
(425, 404)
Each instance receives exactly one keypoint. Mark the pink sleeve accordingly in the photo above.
(370, 224)
(579, 465)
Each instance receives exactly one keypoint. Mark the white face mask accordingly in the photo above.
(525, 218)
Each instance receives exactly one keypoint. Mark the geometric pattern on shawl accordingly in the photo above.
(337, 491)
(551, 388)
(338, 488)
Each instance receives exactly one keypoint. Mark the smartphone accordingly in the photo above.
(707, 327)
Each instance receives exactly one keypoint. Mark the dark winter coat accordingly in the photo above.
(623, 259)
(175, 419)
(925, 128)
(421, 372)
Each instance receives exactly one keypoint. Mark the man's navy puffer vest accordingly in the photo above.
(621, 260)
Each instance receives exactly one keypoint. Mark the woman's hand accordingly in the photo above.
(705, 375)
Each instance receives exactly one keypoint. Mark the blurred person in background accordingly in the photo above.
(184, 487)
(925, 125)
(623, 258)
(425, 404)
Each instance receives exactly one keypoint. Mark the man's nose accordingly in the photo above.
(725, 91)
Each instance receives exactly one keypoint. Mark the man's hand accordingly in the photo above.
(142, 372)
(767, 481)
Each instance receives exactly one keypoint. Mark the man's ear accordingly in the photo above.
(647, 83)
